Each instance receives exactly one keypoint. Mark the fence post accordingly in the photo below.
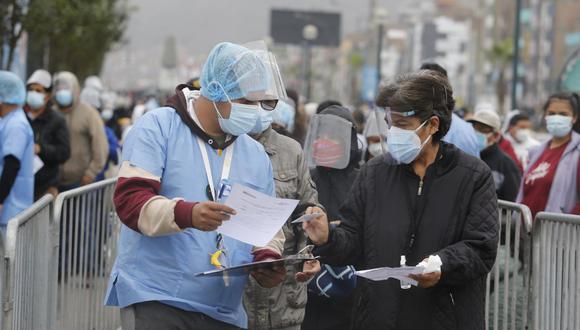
(27, 261)
(89, 229)
(509, 278)
(555, 290)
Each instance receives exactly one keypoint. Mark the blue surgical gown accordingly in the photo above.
(163, 268)
(17, 139)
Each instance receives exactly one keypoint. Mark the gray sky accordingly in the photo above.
(206, 23)
(199, 25)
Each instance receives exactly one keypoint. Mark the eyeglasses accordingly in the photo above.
(268, 105)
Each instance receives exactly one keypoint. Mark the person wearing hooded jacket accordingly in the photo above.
(283, 307)
(425, 198)
(333, 186)
(92, 94)
(88, 143)
(551, 183)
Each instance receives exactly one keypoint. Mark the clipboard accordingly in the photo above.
(245, 269)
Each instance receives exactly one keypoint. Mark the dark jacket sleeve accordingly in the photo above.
(474, 255)
(8, 176)
(345, 243)
(58, 151)
(511, 183)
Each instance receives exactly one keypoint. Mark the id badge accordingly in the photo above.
(225, 190)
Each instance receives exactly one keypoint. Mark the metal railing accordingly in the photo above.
(556, 276)
(507, 285)
(89, 229)
(28, 277)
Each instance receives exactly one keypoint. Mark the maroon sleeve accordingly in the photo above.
(131, 194)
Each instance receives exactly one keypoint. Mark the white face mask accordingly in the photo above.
(558, 125)
(522, 135)
(405, 145)
(376, 149)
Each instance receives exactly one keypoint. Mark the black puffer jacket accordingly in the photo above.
(51, 133)
(459, 223)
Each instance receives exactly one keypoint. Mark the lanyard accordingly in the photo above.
(225, 169)
(227, 166)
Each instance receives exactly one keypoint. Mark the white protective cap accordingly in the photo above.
(41, 77)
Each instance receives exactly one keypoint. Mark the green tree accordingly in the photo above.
(501, 55)
(13, 13)
(74, 35)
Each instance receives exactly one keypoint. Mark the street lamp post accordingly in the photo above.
(380, 17)
(309, 34)
(516, 59)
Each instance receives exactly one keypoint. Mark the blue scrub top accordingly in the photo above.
(162, 268)
(17, 139)
(462, 135)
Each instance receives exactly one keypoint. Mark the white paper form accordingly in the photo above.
(399, 273)
(37, 164)
(259, 216)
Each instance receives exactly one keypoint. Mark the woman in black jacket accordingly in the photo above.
(425, 197)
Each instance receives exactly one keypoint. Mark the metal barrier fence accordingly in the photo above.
(89, 228)
(27, 294)
(556, 277)
(507, 285)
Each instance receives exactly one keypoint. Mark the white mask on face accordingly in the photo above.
(376, 149)
(522, 135)
(558, 125)
(405, 145)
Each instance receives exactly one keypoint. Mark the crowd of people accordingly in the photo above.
(402, 182)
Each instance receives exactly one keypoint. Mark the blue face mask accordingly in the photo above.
(481, 141)
(35, 100)
(263, 121)
(405, 145)
(64, 98)
(242, 118)
(558, 126)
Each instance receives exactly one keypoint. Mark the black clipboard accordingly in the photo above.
(245, 269)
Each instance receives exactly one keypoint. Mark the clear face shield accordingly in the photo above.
(328, 142)
(398, 119)
(264, 82)
(375, 132)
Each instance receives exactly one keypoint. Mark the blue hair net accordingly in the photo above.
(12, 90)
(232, 71)
(283, 114)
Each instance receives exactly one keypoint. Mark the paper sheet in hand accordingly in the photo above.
(244, 269)
(37, 164)
(384, 273)
(259, 216)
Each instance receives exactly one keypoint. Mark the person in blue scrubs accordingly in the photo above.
(180, 161)
(16, 150)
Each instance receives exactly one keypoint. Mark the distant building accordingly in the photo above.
(448, 42)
